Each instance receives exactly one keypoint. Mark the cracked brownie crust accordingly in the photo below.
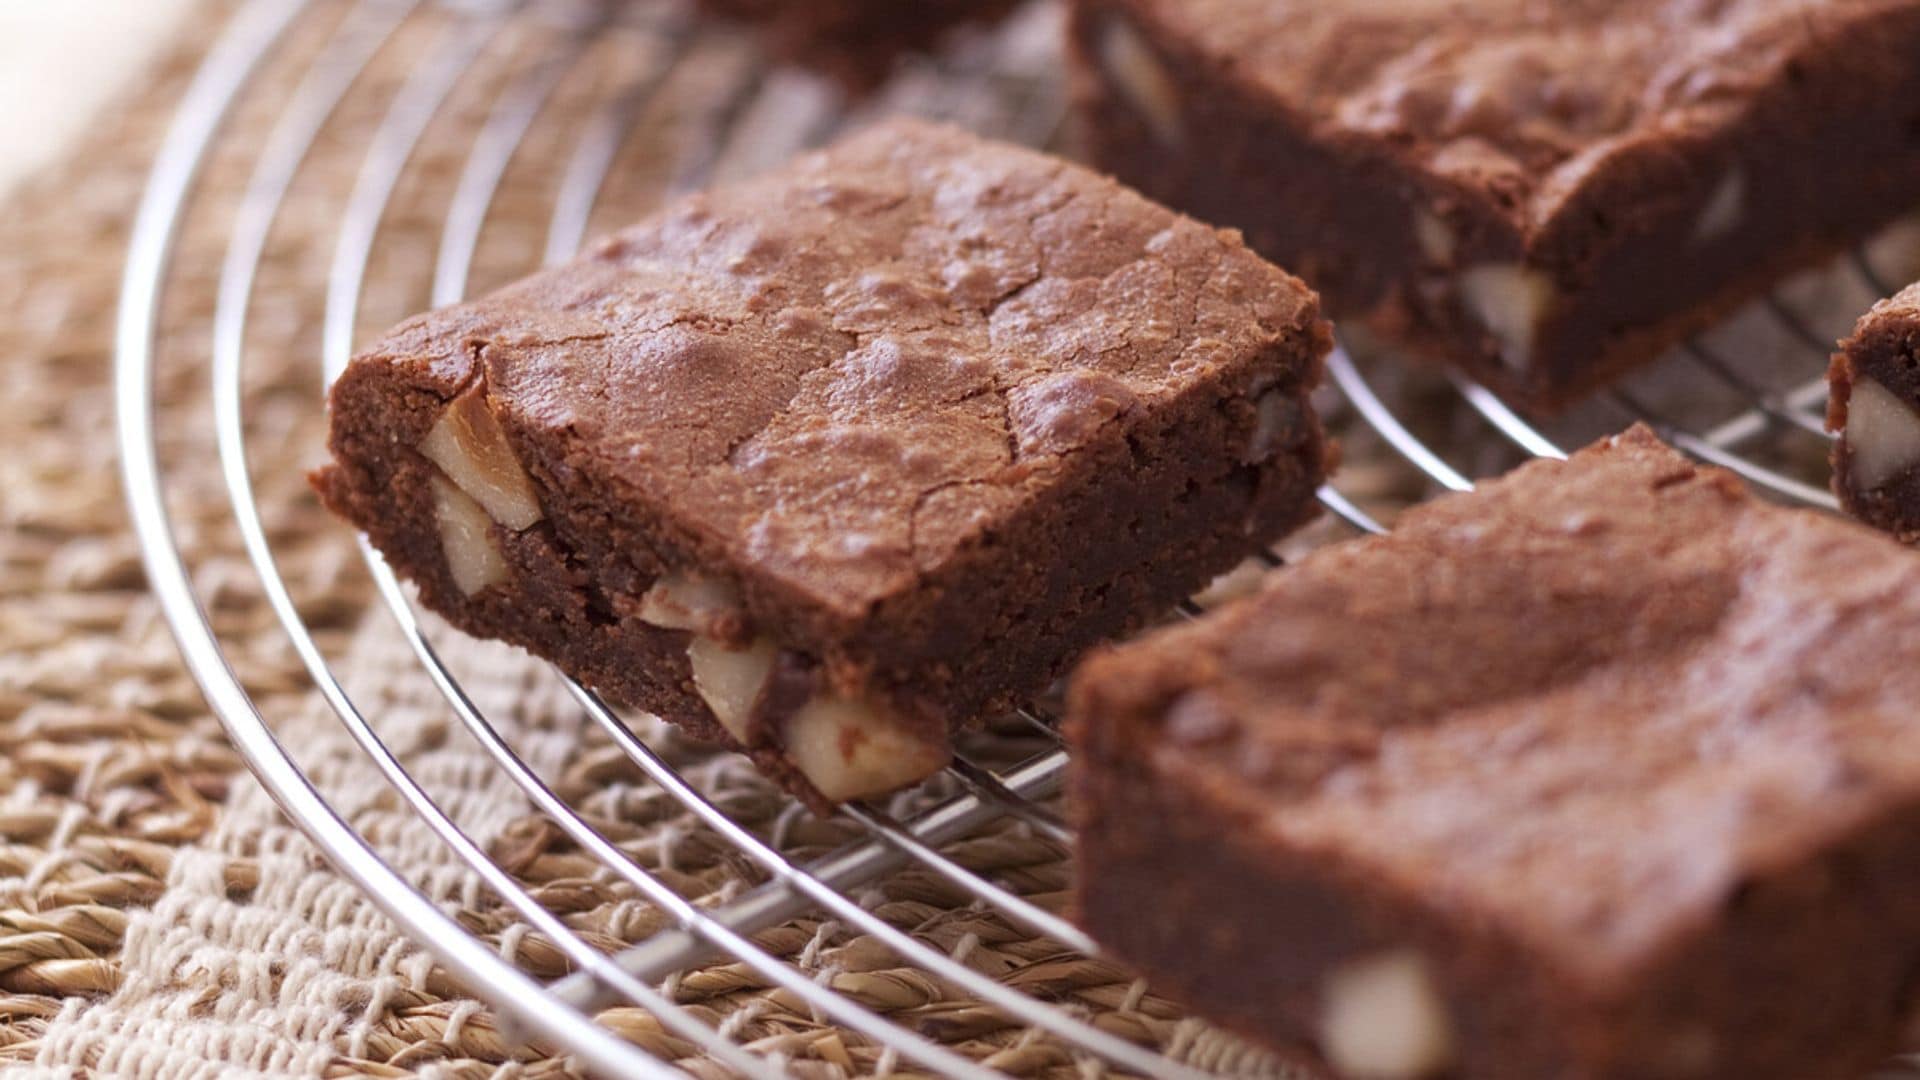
(1544, 194)
(1669, 831)
(909, 425)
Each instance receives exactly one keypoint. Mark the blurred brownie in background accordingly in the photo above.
(856, 41)
(1542, 194)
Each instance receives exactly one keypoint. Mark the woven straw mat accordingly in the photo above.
(157, 916)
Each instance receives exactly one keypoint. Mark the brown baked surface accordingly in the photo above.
(941, 412)
(857, 41)
(1652, 162)
(1884, 350)
(1625, 756)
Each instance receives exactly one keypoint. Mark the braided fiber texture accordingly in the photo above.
(158, 917)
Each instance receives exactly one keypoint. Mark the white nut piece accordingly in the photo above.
(466, 539)
(730, 681)
(1509, 300)
(470, 447)
(1130, 62)
(1883, 435)
(1724, 208)
(1236, 584)
(1275, 416)
(678, 602)
(1382, 1018)
(850, 750)
(1435, 237)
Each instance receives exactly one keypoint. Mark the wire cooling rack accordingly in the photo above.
(1748, 397)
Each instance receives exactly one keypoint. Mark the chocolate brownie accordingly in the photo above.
(827, 464)
(1542, 194)
(1604, 771)
(857, 41)
(1874, 407)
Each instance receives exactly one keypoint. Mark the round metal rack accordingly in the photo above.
(1006, 84)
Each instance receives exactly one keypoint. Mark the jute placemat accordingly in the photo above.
(157, 916)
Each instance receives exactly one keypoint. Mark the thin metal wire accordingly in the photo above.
(586, 181)
(1767, 402)
(1037, 919)
(242, 46)
(1810, 395)
(462, 228)
(982, 781)
(392, 143)
(1753, 423)
(594, 154)
(1754, 473)
(1506, 421)
(560, 1011)
(287, 147)
(777, 901)
(467, 223)
(493, 149)
(689, 918)
(1344, 509)
(943, 967)
(1376, 413)
(1765, 411)
(1794, 324)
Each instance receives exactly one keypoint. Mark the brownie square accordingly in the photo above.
(1874, 408)
(828, 464)
(857, 41)
(1605, 771)
(1541, 194)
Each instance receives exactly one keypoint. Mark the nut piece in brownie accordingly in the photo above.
(857, 41)
(1607, 770)
(827, 464)
(1542, 194)
(1874, 408)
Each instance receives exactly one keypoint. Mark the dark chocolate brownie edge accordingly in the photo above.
(1876, 474)
(384, 487)
(1806, 969)
(1148, 513)
(1173, 884)
(857, 43)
